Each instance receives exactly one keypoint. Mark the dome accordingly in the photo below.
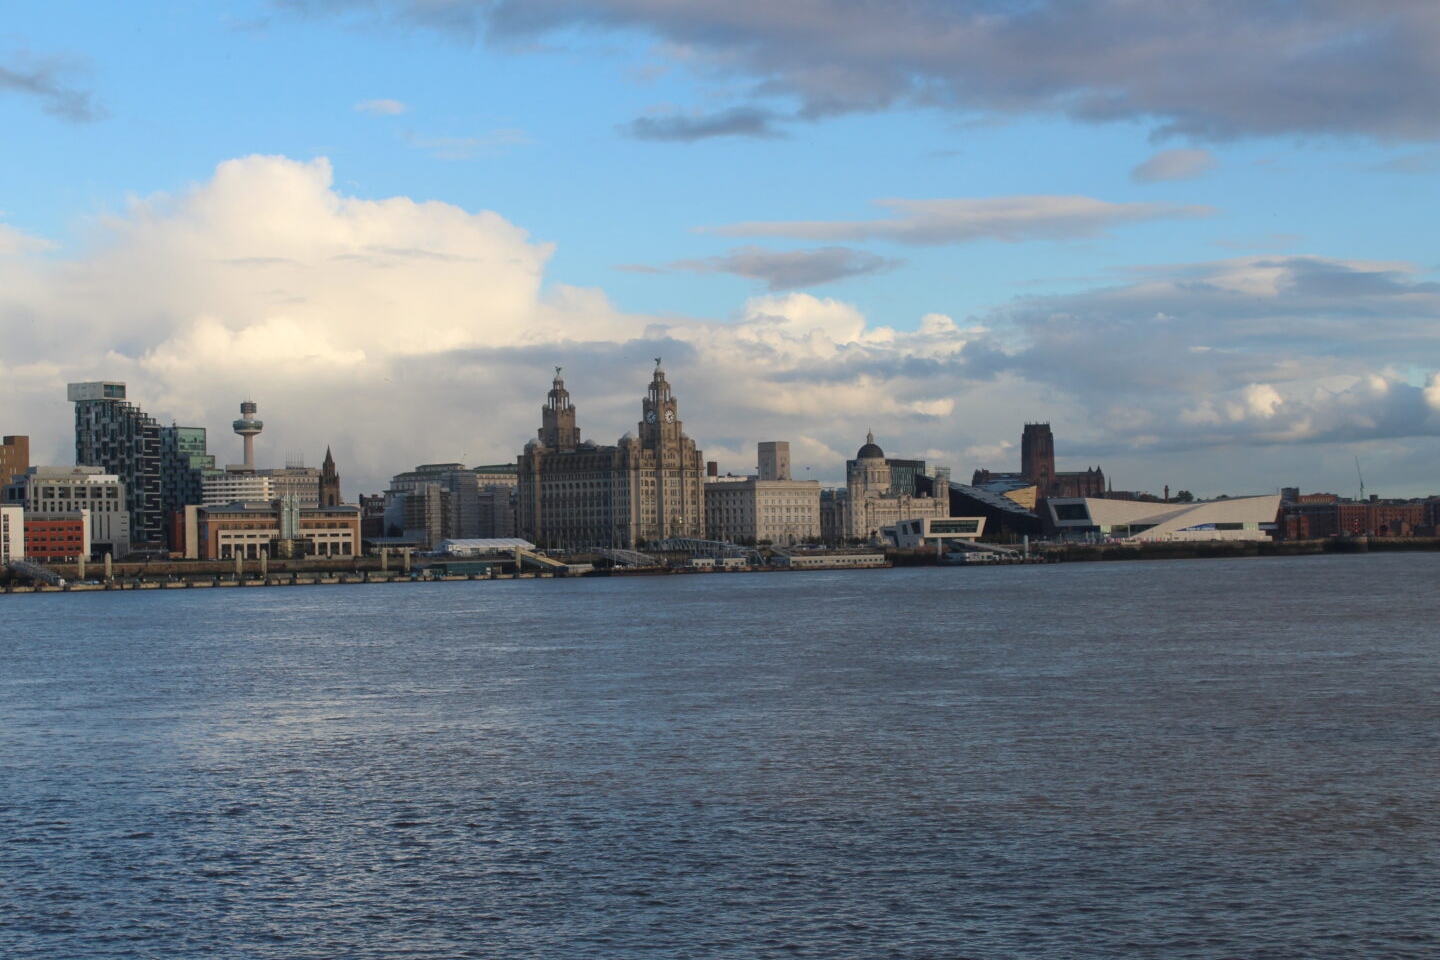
(871, 450)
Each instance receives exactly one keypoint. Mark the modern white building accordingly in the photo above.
(12, 532)
(66, 490)
(1238, 518)
(236, 487)
(933, 532)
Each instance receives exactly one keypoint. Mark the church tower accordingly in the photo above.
(557, 418)
(329, 482)
(1037, 455)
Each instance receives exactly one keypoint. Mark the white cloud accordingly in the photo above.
(967, 220)
(490, 144)
(401, 332)
(1170, 165)
(15, 242)
(381, 108)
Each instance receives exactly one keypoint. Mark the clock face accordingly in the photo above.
(650, 416)
(669, 416)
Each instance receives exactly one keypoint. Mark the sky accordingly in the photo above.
(1197, 238)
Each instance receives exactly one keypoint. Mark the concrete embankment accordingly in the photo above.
(1199, 549)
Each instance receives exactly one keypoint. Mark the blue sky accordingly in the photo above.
(1197, 238)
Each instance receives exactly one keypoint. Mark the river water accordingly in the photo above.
(1218, 758)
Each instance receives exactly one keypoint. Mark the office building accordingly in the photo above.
(870, 501)
(280, 528)
(768, 508)
(65, 491)
(12, 532)
(14, 457)
(649, 486)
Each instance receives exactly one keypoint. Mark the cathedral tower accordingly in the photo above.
(1037, 455)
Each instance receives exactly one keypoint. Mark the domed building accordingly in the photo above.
(870, 500)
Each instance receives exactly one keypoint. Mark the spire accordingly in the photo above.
(329, 481)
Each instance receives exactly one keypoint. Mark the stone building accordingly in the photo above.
(649, 486)
(870, 500)
(769, 507)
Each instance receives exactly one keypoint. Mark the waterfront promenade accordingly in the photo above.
(197, 574)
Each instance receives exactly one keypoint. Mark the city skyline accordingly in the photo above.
(937, 226)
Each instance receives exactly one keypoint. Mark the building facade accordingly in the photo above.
(58, 537)
(12, 532)
(14, 457)
(649, 486)
(65, 491)
(768, 508)
(232, 487)
(248, 529)
(870, 502)
(1037, 469)
(1091, 518)
(162, 469)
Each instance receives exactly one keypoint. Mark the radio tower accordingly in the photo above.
(248, 427)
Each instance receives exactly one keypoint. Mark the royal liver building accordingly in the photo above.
(649, 486)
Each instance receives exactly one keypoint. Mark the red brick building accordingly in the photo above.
(56, 538)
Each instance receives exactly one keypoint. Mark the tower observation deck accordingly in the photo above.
(248, 427)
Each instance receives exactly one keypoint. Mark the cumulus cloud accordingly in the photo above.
(47, 80)
(1208, 70)
(1170, 165)
(401, 332)
(381, 108)
(791, 269)
(968, 220)
(1254, 350)
(15, 242)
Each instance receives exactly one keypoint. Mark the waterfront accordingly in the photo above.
(1220, 758)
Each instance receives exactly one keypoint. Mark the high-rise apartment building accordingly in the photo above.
(160, 468)
(120, 437)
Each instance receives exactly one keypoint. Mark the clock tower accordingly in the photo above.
(660, 418)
